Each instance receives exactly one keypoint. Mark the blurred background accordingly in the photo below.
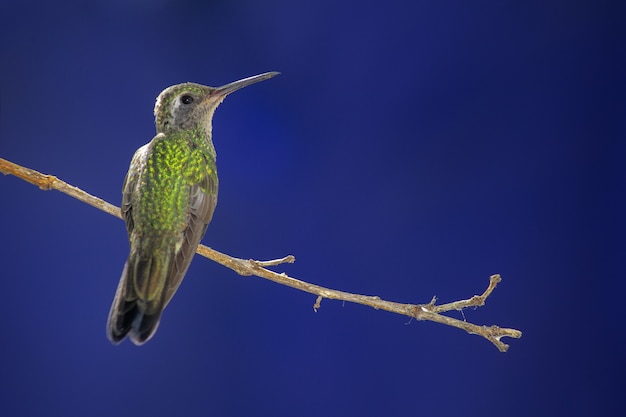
(409, 149)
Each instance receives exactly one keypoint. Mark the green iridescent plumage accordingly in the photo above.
(169, 195)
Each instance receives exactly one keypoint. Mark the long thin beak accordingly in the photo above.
(224, 90)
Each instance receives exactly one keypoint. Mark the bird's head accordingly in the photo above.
(189, 105)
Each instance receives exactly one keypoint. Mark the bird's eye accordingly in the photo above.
(186, 99)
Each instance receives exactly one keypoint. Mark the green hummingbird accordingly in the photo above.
(168, 198)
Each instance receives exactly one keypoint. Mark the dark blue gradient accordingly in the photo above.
(409, 149)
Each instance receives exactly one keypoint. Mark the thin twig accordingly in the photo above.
(289, 259)
(248, 267)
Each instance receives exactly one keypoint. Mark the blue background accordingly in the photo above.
(409, 149)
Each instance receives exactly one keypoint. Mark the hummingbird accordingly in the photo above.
(168, 198)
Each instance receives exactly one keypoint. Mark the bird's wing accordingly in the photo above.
(130, 184)
(202, 202)
(123, 309)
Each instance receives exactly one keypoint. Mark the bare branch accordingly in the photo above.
(50, 182)
(248, 267)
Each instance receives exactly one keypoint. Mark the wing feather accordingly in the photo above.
(202, 202)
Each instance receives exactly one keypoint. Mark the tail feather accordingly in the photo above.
(131, 315)
(144, 327)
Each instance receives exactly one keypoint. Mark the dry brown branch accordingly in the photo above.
(247, 267)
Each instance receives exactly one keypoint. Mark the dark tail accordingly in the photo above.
(127, 318)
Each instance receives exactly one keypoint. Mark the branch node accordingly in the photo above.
(432, 301)
(47, 182)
